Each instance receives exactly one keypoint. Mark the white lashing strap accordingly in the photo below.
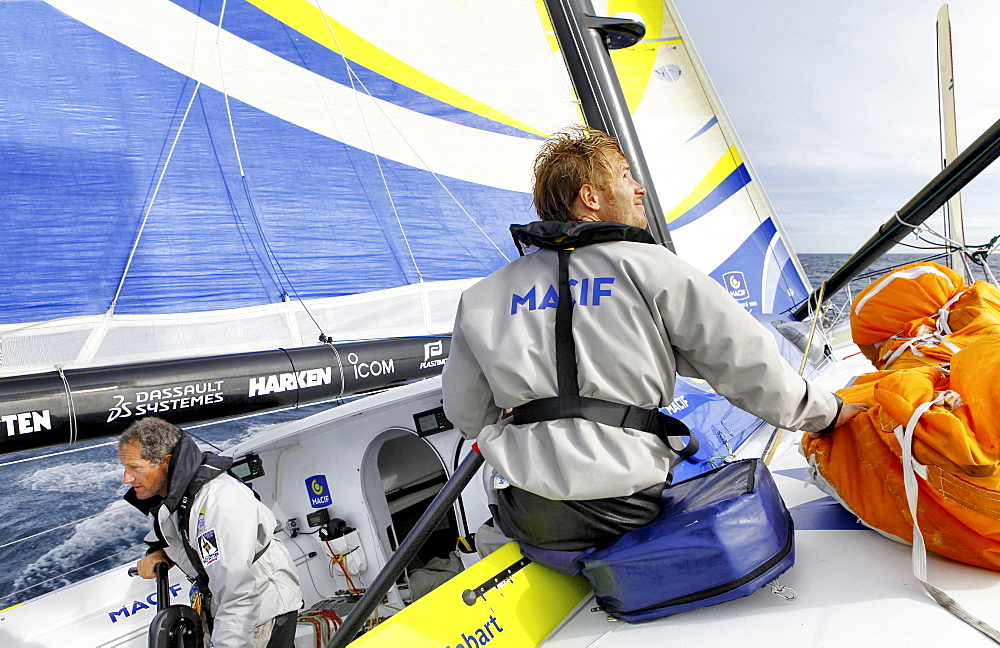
(919, 549)
(932, 339)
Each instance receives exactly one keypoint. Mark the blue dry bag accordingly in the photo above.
(720, 536)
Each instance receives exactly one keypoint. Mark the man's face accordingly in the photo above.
(622, 199)
(146, 478)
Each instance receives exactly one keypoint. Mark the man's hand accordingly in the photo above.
(847, 412)
(147, 566)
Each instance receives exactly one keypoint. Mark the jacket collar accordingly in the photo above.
(556, 235)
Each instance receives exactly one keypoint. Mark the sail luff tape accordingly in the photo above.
(70, 407)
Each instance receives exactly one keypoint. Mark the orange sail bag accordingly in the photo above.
(945, 349)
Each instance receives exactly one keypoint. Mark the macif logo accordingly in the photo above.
(736, 284)
(319, 492)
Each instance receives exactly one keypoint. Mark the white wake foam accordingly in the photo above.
(105, 541)
(75, 476)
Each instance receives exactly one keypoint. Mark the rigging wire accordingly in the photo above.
(371, 143)
(352, 75)
(433, 174)
(772, 444)
(152, 200)
(277, 271)
(976, 254)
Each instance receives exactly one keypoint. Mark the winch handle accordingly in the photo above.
(162, 584)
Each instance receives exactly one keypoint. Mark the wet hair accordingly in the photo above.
(565, 163)
(156, 438)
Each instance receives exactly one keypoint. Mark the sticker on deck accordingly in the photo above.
(503, 601)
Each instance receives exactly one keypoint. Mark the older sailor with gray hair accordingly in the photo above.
(641, 315)
(213, 527)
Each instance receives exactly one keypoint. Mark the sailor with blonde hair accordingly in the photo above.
(583, 457)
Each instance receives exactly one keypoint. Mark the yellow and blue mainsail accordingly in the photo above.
(186, 177)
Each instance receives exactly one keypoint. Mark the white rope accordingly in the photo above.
(922, 228)
(225, 93)
(935, 338)
(371, 142)
(436, 177)
(919, 556)
(270, 258)
(70, 405)
(149, 207)
(957, 245)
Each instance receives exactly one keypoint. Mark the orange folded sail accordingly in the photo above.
(934, 340)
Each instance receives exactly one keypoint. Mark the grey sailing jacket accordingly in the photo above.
(251, 574)
(641, 316)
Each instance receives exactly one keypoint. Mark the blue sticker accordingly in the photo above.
(736, 284)
(319, 493)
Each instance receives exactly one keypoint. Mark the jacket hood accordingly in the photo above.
(190, 469)
(557, 235)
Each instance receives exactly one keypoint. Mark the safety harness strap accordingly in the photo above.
(201, 580)
(614, 414)
(569, 385)
(569, 403)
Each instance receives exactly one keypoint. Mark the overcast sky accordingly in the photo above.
(836, 105)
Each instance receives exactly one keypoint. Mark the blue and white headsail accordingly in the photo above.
(186, 178)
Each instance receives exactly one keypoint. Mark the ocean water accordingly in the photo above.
(62, 518)
(819, 267)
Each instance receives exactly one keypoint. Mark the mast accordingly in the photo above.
(585, 40)
(954, 227)
(928, 200)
